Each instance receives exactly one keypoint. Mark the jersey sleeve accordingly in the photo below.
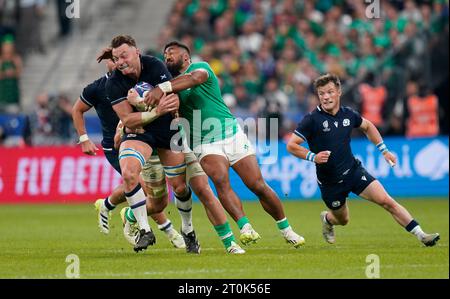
(304, 128)
(114, 93)
(202, 65)
(89, 95)
(357, 119)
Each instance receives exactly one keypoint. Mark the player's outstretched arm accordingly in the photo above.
(372, 133)
(78, 110)
(294, 147)
(180, 83)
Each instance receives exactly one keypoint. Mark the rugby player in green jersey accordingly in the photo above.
(223, 146)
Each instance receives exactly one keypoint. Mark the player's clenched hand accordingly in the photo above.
(153, 96)
(136, 101)
(390, 158)
(89, 148)
(132, 97)
(168, 103)
(322, 157)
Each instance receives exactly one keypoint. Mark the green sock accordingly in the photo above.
(225, 234)
(243, 221)
(283, 224)
(130, 216)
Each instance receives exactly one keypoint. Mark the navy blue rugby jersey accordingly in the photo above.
(323, 132)
(154, 72)
(94, 95)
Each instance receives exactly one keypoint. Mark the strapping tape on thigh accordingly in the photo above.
(131, 153)
(173, 171)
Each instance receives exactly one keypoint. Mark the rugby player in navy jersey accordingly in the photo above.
(139, 143)
(327, 130)
(158, 133)
(94, 95)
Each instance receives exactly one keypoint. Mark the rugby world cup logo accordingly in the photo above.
(325, 126)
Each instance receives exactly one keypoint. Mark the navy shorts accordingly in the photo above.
(155, 138)
(335, 195)
(113, 158)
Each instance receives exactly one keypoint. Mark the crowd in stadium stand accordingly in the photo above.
(266, 54)
(20, 35)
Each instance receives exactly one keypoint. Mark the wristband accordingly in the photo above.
(310, 156)
(166, 86)
(83, 138)
(382, 147)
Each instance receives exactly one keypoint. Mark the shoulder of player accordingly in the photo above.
(113, 79)
(199, 65)
(101, 82)
(348, 110)
(93, 88)
(150, 60)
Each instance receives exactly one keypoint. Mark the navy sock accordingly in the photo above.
(411, 225)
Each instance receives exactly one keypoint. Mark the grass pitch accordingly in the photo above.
(36, 239)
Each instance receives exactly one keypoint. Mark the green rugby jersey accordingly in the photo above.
(208, 116)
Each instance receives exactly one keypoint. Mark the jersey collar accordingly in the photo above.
(324, 112)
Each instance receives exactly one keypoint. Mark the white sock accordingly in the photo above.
(136, 200)
(184, 206)
(418, 232)
(166, 227)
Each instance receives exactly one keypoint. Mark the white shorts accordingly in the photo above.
(233, 148)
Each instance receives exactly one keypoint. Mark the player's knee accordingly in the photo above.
(180, 188)
(130, 177)
(204, 193)
(388, 203)
(344, 220)
(258, 186)
(220, 181)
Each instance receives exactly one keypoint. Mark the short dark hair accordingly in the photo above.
(177, 44)
(325, 79)
(123, 39)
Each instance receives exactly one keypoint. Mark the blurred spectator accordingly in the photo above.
(298, 100)
(423, 111)
(10, 71)
(29, 37)
(40, 120)
(250, 40)
(63, 116)
(243, 100)
(8, 17)
(250, 78)
(275, 97)
(373, 96)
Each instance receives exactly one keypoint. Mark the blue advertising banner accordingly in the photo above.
(421, 170)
